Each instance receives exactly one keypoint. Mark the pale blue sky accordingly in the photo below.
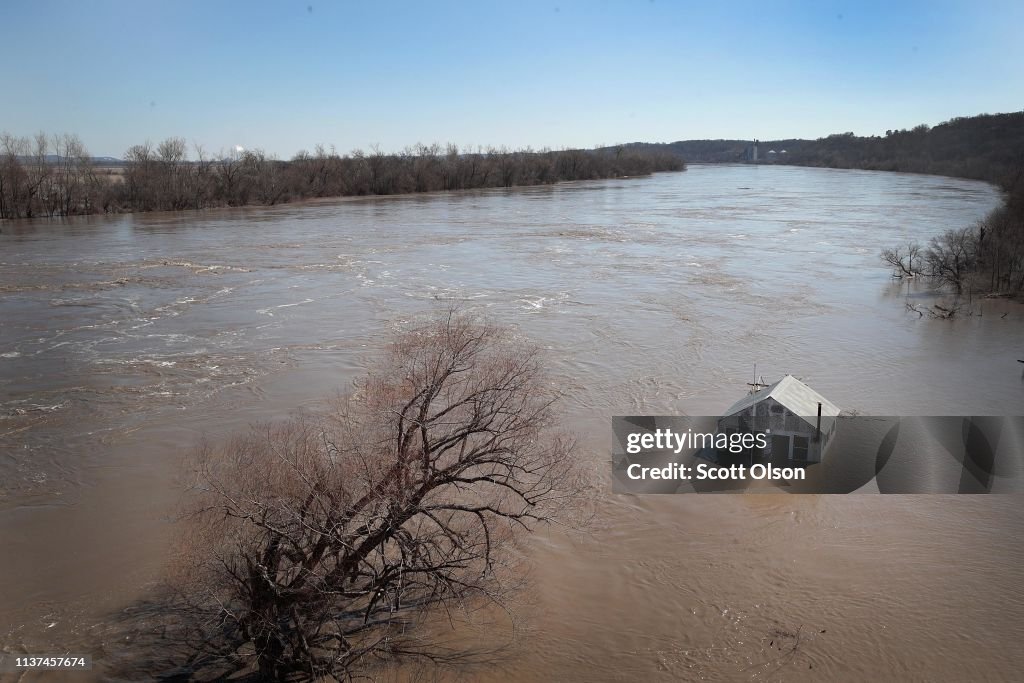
(286, 75)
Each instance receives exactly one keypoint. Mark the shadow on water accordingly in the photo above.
(916, 288)
(162, 639)
(171, 637)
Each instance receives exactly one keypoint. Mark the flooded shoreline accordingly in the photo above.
(126, 339)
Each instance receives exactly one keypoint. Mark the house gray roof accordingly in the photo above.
(796, 396)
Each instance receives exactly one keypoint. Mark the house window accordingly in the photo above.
(777, 409)
(800, 444)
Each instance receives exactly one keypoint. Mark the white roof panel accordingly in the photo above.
(796, 396)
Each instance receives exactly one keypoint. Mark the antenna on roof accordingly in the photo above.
(758, 384)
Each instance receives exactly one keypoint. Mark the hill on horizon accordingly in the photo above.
(984, 147)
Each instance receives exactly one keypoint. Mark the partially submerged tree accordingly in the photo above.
(950, 256)
(906, 262)
(987, 256)
(321, 542)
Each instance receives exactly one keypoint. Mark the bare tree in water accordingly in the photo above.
(318, 545)
(906, 262)
(951, 256)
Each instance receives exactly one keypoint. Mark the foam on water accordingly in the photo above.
(124, 342)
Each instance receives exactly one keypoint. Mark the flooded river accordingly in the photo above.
(123, 340)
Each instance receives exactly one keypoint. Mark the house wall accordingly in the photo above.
(769, 414)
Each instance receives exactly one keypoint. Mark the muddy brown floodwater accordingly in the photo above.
(123, 340)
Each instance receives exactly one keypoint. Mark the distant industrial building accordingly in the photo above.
(753, 154)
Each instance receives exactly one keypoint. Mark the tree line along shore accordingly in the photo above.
(48, 176)
(984, 258)
(986, 147)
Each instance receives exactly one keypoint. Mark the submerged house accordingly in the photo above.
(801, 421)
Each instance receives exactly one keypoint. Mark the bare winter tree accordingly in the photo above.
(229, 176)
(950, 256)
(905, 261)
(200, 177)
(140, 175)
(171, 184)
(72, 175)
(317, 545)
(39, 184)
(13, 177)
(263, 176)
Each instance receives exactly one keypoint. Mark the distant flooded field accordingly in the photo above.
(124, 340)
